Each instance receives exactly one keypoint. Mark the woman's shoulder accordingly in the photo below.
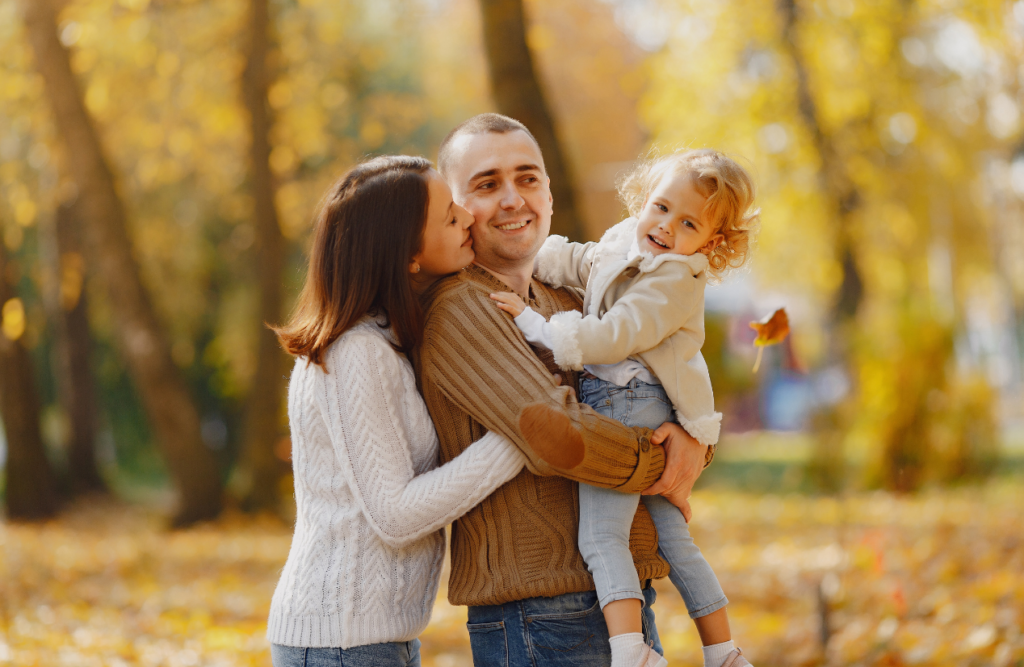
(362, 341)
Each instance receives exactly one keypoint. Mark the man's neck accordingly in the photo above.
(518, 278)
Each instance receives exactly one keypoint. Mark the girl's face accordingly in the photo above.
(671, 219)
(447, 246)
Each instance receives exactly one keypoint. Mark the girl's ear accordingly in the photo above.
(712, 243)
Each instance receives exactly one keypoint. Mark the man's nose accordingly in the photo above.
(510, 197)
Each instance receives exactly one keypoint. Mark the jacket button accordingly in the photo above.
(645, 444)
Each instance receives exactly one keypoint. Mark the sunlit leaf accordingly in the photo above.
(771, 330)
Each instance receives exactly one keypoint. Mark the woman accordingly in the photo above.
(362, 573)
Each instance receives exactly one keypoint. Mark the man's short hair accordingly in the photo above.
(479, 124)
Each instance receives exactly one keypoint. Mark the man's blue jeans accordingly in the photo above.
(563, 631)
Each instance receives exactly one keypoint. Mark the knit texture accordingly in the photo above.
(372, 504)
(479, 374)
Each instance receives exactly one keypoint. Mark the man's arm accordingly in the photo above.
(473, 354)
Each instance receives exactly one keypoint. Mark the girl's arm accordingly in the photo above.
(563, 263)
(651, 311)
(363, 396)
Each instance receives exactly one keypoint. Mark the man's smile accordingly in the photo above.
(512, 226)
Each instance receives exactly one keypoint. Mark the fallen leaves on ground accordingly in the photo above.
(935, 579)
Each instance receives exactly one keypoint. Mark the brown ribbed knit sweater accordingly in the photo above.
(478, 374)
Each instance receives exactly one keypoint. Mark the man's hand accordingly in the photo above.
(509, 302)
(684, 461)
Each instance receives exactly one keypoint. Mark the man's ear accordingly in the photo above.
(712, 243)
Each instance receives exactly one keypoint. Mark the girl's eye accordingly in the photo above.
(689, 224)
(662, 207)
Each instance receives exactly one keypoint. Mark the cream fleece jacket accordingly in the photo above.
(649, 307)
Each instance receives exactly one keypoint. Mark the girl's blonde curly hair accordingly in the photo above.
(730, 200)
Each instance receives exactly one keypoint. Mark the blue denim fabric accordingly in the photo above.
(606, 515)
(563, 631)
(391, 654)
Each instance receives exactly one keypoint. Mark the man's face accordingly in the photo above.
(500, 179)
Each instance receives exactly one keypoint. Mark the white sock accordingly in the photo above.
(627, 649)
(716, 654)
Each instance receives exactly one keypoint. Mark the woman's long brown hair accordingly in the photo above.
(369, 226)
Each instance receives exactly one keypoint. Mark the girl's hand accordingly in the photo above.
(509, 302)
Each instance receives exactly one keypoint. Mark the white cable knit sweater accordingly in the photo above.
(372, 504)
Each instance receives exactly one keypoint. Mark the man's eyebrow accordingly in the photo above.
(483, 174)
(493, 172)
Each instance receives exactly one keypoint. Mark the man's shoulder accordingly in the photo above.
(453, 291)
(562, 297)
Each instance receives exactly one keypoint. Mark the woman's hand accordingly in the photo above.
(509, 302)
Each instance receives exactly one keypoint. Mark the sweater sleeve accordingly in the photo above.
(474, 356)
(363, 398)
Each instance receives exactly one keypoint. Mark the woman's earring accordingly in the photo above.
(415, 268)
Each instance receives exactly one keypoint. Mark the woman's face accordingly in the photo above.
(447, 245)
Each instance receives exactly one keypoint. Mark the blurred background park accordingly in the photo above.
(160, 163)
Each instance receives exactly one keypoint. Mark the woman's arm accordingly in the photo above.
(363, 395)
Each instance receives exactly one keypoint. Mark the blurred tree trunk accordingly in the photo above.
(836, 181)
(62, 253)
(31, 487)
(164, 393)
(827, 464)
(517, 92)
(261, 469)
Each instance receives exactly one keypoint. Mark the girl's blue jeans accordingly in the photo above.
(606, 515)
(391, 654)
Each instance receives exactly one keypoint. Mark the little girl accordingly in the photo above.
(638, 341)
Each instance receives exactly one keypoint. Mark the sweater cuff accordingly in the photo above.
(649, 466)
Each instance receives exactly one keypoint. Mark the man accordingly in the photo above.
(515, 562)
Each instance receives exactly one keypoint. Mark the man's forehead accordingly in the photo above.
(494, 151)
